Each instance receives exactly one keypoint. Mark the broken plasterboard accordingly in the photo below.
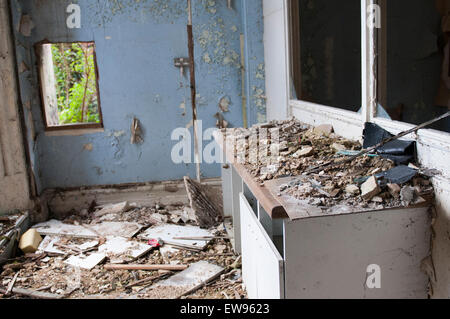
(119, 249)
(168, 232)
(182, 283)
(105, 229)
(86, 262)
(49, 245)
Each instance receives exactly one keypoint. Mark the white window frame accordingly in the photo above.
(433, 145)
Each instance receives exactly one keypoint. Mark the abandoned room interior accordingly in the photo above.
(224, 149)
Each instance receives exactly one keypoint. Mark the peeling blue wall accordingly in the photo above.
(136, 42)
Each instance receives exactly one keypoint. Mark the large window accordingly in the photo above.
(69, 85)
(404, 72)
(405, 64)
(413, 61)
(326, 52)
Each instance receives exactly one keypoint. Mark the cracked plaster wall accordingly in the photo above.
(136, 42)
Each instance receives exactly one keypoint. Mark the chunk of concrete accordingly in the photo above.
(29, 242)
(325, 129)
(394, 190)
(304, 152)
(370, 188)
(352, 190)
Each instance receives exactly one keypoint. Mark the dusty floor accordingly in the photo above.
(48, 273)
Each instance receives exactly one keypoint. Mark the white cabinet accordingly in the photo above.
(262, 264)
(329, 257)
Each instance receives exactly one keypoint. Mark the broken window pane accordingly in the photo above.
(69, 84)
(414, 61)
(326, 49)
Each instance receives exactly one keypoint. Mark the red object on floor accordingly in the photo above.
(155, 243)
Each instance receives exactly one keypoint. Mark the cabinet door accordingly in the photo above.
(262, 265)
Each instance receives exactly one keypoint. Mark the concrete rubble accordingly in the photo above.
(86, 256)
(362, 183)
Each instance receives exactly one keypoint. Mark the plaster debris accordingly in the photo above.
(67, 266)
(185, 282)
(86, 262)
(168, 232)
(370, 188)
(120, 250)
(103, 229)
(113, 209)
(291, 148)
(325, 129)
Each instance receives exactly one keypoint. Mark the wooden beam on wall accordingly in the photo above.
(14, 181)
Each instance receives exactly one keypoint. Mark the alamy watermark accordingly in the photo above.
(373, 280)
(74, 19)
(374, 16)
(263, 146)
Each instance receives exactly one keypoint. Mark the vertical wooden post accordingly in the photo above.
(193, 89)
(14, 182)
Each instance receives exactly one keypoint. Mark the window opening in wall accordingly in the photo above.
(326, 52)
(69, 85)
(414, 61)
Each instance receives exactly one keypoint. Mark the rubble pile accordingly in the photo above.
(368, 181)
(77, 257)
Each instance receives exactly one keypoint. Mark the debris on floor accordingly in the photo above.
(371, 181)
(205, 202)
(188, 281)
(123, 251)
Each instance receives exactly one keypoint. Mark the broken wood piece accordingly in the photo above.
(146, 267)
(33, 293)
(44, 288)
(11, 285)
(147, 280)
(206, 203)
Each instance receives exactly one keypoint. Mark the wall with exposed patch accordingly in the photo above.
(136, 42)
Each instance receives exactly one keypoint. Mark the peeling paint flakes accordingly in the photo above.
(88, 147)
(207, 58)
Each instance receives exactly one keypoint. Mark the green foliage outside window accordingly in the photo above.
(76, 83)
